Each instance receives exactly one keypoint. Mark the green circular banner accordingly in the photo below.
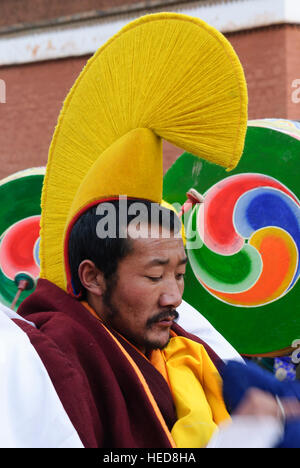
(243, 242)
(20, 211)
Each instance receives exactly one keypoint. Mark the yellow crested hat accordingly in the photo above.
(164, 76)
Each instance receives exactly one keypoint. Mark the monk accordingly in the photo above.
(111, 279)
(126, 373)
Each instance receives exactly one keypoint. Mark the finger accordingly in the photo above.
(291, 408)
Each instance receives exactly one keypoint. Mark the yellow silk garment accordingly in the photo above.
(196, 387)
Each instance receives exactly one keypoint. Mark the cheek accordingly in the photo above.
(137, 295)
(141, 302)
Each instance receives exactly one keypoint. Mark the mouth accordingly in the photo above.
(164, 319)
(165, 322)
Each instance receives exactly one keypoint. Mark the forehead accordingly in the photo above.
(162, 245)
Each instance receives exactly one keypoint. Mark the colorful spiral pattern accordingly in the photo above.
(243, 271)
(20, 211)
(19, 248)
(249, 254)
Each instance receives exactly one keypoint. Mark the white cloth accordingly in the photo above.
(193, 322)
(31, 414)
(248, 432)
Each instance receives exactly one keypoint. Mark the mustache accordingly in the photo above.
(164, 314)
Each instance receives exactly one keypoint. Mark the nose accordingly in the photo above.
(171, 296)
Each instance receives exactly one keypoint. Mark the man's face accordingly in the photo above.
(149, 285)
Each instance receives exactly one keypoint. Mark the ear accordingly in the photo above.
(91, 277)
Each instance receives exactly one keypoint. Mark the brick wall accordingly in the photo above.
(30, 11)
(263, 55)
(35, 93)
(14, 12)
(293, 72)
(34, 96)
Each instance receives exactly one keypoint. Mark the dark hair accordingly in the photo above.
(106, 252)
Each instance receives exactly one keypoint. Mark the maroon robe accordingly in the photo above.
(97, 385)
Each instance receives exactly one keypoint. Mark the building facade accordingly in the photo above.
(44, 45)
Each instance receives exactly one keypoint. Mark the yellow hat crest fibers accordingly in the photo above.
(163, 76)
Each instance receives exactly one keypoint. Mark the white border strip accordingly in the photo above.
(85, 38)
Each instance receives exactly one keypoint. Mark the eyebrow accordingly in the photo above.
(161, 261)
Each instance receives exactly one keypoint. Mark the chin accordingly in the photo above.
(157, 343)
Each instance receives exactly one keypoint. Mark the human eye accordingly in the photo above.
(154, 279)
(180, 276)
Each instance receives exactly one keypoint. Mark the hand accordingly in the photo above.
(259, 403)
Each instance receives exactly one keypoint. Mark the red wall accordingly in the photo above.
(34, 96)
(12, 12)
(263, 55)
(293, 72)
(35, 93)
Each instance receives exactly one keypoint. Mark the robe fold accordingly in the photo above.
(114, 397)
